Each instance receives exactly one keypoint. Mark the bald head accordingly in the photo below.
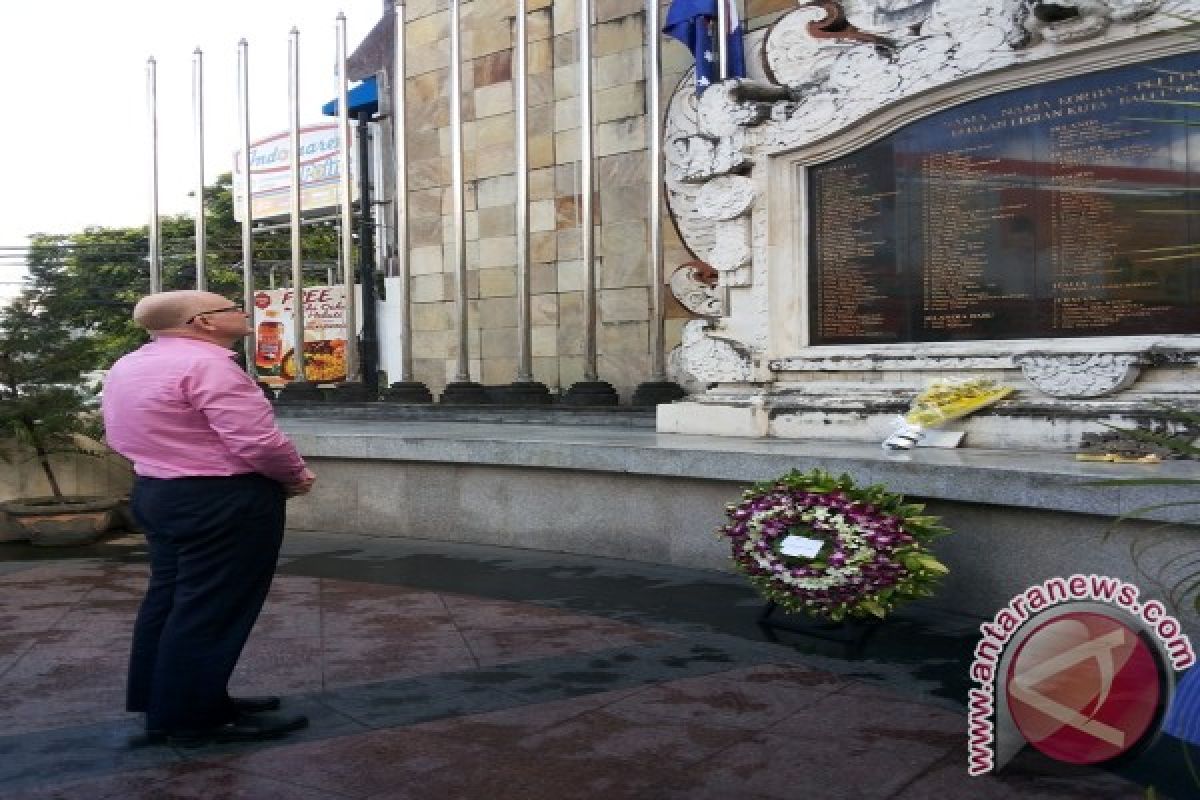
(167, 311)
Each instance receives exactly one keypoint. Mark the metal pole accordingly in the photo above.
(586, 181)
(658, 367)
(353, 372)
(155, 231)
(520, 70)
(723, 39)
(198, 117)
(400, 151)
(247, 205)
(297, 265)
(722, 74)
(461, 368)
(366, 256)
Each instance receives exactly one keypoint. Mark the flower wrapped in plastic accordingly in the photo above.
(942, 401)
(820, 545)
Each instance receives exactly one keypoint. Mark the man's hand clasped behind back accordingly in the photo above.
(302, 486)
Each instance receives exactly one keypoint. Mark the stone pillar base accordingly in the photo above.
(464, 393)
(591, 393)
(407, 392)
(524, 393)
(653, 393)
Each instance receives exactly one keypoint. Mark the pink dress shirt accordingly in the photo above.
(179, 407)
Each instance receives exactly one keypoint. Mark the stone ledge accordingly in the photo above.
(1021, 479)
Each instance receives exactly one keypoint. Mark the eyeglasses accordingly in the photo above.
(192, 318)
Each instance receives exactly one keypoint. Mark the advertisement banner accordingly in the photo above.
(324, 334)
(271, 176)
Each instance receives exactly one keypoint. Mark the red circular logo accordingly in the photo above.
(1084, 688)
(262, 300)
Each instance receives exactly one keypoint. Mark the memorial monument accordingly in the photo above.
(907, 190)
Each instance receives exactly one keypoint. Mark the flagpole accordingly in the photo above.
(346, 197)
(299, 371)
(247, 201)
(462, 390)
(657, 389)
(154, 232)
(590, 391)
(198, 121)
(723, 38)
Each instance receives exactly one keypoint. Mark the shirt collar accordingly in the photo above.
(173, 342)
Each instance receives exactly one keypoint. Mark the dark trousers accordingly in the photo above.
(213, 543)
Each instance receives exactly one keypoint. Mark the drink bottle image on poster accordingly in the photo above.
(324, 335)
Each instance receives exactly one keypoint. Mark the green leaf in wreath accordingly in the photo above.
(932, 564)
(873, 607)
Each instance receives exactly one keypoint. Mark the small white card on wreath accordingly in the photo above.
(800, 546)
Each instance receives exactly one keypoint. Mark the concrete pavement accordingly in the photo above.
(441, 671)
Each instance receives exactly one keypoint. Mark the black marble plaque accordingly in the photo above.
(1061, 210)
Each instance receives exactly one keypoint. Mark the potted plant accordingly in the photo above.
(46, 411)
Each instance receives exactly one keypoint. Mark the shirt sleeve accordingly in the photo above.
(241, 416)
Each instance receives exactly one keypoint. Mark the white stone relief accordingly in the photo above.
(732, 246)
(832, 84)
(695, 230)
(1080, 375)
(1133, 10)
(897, 14)
(694, 285)
(701, 360)
(794, 57)
(726, 197)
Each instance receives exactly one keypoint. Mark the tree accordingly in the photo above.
(43, 397)
(91, 280)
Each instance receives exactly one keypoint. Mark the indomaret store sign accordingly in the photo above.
(271, 173)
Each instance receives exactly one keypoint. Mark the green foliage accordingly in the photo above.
(43, 397)
(93, 278)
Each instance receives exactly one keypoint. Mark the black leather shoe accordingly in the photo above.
(243, 729)
(242, 705)
(254, 705)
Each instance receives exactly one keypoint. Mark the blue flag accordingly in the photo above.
(692, 22)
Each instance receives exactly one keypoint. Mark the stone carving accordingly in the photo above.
(792, 56)
(701, 359)
(726, 197)
(1073, 20)
(834, 25)
(830, 65)
(694, 285)
(1080, 375)
(732, 246)
(895, 14)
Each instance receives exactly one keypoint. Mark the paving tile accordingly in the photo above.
(180, 782)
(53, 685)
(1059, 782)
(499, 647)
(278, 666)
(292, 608)
(350, 659)
(32, 759)
(411, 702)
(754, 698)
(428, 691)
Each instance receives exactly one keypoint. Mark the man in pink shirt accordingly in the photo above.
(213, 475)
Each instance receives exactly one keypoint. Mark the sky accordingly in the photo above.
(75, 131)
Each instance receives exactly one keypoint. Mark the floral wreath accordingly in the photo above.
(864, 550)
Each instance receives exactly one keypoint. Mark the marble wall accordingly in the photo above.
(621, 202)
